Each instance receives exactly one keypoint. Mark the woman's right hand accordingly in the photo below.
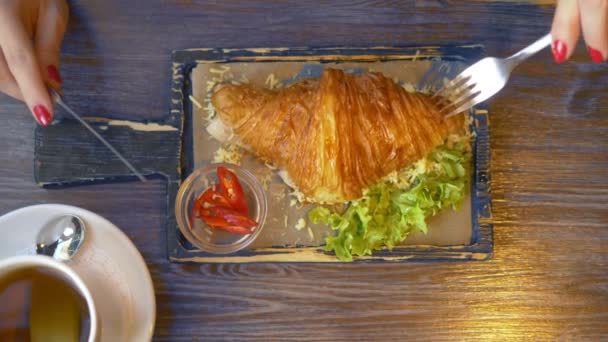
(570, 17)
(31, 32)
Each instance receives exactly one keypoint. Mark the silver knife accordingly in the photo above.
(59, 100)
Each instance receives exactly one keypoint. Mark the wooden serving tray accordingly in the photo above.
(180, 145)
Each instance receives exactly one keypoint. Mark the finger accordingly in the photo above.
(23, 65)
(8, 85)
(594, 20)
(565, 30)
(50, 29)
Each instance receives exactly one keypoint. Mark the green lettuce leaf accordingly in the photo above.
(390, 211)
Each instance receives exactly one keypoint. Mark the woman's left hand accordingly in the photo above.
(31, 32)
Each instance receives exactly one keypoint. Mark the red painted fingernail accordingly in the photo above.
(596, 56)
(559, 51)
(42, 115)
(54, 73)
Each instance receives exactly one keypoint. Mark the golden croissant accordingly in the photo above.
(336, 135)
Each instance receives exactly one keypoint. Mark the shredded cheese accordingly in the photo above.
(298, 195)
(403, 179)
(232, 154)
(427, 90)
(265, 179)
(295, 192)
(220, 75)
(195, 102)
(221, 71)
(409, 87)
(271, 81)
(301, 224)
(310, 234)
(211, 84)
(270, 166)
(278, 195)
(210, 111)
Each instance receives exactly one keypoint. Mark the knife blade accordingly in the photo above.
(59, 100)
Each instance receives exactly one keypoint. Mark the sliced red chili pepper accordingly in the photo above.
(235, 230)
(232, 189)
(224, 217)
(214, 197)
(211, 218)
(235, 218)
(196, 208)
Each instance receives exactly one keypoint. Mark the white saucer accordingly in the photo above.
(108, 263)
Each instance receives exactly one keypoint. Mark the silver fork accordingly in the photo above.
(483, 79)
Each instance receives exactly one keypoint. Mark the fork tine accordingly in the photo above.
(457, 81)
(466, 105)
(443, 100)
(455, 100)
(448, 86)
(460, 101)
(455, 96)
(459, 92)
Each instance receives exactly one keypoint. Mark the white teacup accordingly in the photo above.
(61, 272)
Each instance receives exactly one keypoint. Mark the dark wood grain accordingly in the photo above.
(68, 154)
(548, 279)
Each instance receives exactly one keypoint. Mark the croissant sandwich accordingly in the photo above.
(336, 135)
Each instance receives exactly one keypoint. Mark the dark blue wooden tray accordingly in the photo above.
(65, 154)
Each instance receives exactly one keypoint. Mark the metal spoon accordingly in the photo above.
(62, 238)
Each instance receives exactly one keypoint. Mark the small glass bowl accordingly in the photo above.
(210, 239)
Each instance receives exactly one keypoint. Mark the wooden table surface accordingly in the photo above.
(548, 279)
